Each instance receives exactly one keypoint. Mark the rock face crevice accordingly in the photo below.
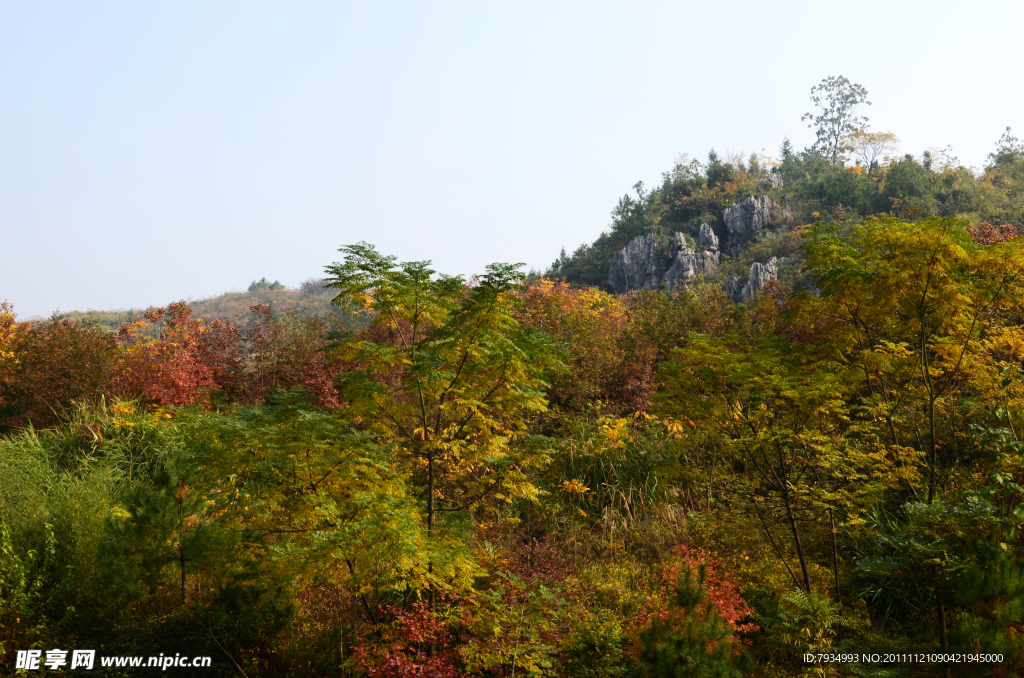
(637, 265)
(758, 278)
(745, 220)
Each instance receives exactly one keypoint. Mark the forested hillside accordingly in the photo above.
(852, 173)
(311, 298)
(496, 476)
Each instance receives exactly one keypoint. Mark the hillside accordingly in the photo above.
(784, 443)
(309, 299)
(810, 187)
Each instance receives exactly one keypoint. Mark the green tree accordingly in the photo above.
(787, 421)
(835, 100)
(446, 373)
(692, 641)
(309, 491)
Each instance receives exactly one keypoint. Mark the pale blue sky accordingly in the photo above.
(155, 151)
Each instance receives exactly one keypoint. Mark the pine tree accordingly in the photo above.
(692, 641)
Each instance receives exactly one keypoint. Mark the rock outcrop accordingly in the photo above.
(688, 263)
(635, 266)
(759, 277)
(706, 239)
(744, 220)
(769, 181)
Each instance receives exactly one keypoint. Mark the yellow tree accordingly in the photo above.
(919, 304)
(784, 420)
(446, 373)
(870, 146)
(922, 310)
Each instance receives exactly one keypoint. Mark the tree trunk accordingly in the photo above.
(430, 523)
(835, 554)
(796, 540)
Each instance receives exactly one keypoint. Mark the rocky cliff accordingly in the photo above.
(688, 263)
(759, 277)
(745, 220)
(769, 181)
(637, 266)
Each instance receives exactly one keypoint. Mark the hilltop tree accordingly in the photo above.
(836, 99)
(870, 146)
(446, 373)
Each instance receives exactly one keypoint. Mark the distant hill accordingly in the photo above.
(310, 298)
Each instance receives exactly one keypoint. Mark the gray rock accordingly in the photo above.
(635, 266)
(732, 287)
(706, 239)
(769, 181)
(760, 276)
(746, 219)
(687, 263)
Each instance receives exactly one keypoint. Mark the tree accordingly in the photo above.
(281, 352)
(836, 99)
(784, 419)
(920, 304)
(45, 366)
(1009, 151)
(589, 323)
(928, 317)
(786, 152)
(870, 146)
(447, 374)
(692, 640)
(163, 358)
(718, 172)
(310, 492)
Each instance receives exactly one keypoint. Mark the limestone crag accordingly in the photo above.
(769, 181)
(687, 263)
(635, 266)
(759, 277)
(744, 220)
(706, 239)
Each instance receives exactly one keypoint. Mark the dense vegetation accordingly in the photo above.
(852, 180)
(498, 477)
(309, 299)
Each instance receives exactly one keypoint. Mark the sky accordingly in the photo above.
(151, 152)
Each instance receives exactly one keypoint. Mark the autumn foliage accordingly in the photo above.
(989, 234)
(488, 477)
(169, 358)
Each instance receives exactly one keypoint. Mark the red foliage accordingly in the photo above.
(47, 365)
(171, 358)
(989, 234)
(169, 368)
(416, 644)
(282, 353)
(722, 592)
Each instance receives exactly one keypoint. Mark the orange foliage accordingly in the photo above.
(988, 234)
(163, 360)
(47, 365)
(589, 324)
